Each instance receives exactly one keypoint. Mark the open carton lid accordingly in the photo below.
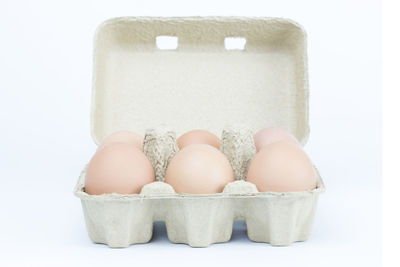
(198, 81)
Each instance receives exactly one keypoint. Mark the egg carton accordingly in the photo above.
(199, 220)
(230, 75)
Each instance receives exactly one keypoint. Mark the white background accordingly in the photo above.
(45, 83)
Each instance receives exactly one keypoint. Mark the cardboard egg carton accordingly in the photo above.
(199, 220)
(196, 80)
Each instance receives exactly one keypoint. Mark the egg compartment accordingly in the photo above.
(199, 220)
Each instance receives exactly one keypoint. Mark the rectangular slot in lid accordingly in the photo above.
(235, 43)
(165, 42)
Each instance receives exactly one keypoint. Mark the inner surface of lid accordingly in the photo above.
(198, 83)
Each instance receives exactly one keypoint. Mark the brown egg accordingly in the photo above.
(118, 168)
(123, 137)
(282, 167)
(199, 169)
(198, 137)
(271, 135)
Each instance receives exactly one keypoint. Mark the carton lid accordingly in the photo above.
(202, 84)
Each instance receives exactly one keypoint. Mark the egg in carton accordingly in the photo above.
(200, 82)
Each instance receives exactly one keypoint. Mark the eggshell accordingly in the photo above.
(282, 167)
(118, 168)
(123, 137)
(271, 135)
(199, 169)
(198, 137)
